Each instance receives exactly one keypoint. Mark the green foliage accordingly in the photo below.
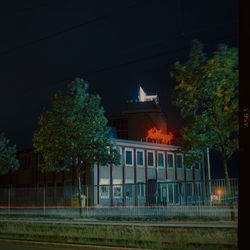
(8, 161)
(207, 95)
(74, 131)
(120, 236)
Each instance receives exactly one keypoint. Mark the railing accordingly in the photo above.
(153, 198)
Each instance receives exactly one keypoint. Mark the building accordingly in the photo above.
(138, 117)
(149, 173)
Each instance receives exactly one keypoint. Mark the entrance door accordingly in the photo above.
(151, 192)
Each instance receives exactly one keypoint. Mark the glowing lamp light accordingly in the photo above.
(219, 192)
(159, 136)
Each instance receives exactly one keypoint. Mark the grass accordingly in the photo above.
(129, 236)
(164, 218)
(130, 218)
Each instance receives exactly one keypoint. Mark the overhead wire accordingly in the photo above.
(69, 29)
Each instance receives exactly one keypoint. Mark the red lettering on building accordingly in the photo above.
(159, 136)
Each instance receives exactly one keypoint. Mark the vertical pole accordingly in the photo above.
(98, 183)
(9, 193)
(146, 178)
(135, 180)
(209, 172)
(44, 200)
(87, 203)
(111, 187)
(204, 193)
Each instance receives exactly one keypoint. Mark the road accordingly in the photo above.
(126, 223)
(27, 245)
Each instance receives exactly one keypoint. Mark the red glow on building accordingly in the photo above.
(159, 136)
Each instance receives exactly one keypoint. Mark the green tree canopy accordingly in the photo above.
(8, 161)
(207, 94)
(75, 130)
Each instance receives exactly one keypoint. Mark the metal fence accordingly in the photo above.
(167, 198)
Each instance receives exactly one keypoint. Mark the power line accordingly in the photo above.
(66, 30)
(26, 9)
(133, 61)
(150, 57)
(71, 28)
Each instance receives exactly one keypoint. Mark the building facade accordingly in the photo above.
(138, 117)
(148, 173)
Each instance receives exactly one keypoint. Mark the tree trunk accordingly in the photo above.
(79, 187)
(228, 187)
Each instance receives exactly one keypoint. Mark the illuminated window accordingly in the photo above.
(151, 160)
(128, 157)
(179, 161)
(170, 158)
(140, 158)
(160, 160)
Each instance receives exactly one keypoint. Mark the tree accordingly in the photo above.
(207, 95)
(74, 131)
(8, 161)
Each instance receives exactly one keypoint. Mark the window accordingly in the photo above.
(117, 191)
(160, 160)
(189, 189)
(129, 190)
(104, 191)
(141, 190)
(170, 193)
(170, 160)
(140, 158)
(197, 189)
(179, 162)
(161, 193)
(104, 188)
(176, 193)
(128, 157)
(151, 159)
(117, 188)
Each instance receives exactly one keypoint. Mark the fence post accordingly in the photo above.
(9, 193)
(87, 200)
(44, 198)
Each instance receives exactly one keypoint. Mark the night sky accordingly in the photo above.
(114, 45)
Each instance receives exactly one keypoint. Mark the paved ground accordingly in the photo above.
(34, 245)
(128, 223)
